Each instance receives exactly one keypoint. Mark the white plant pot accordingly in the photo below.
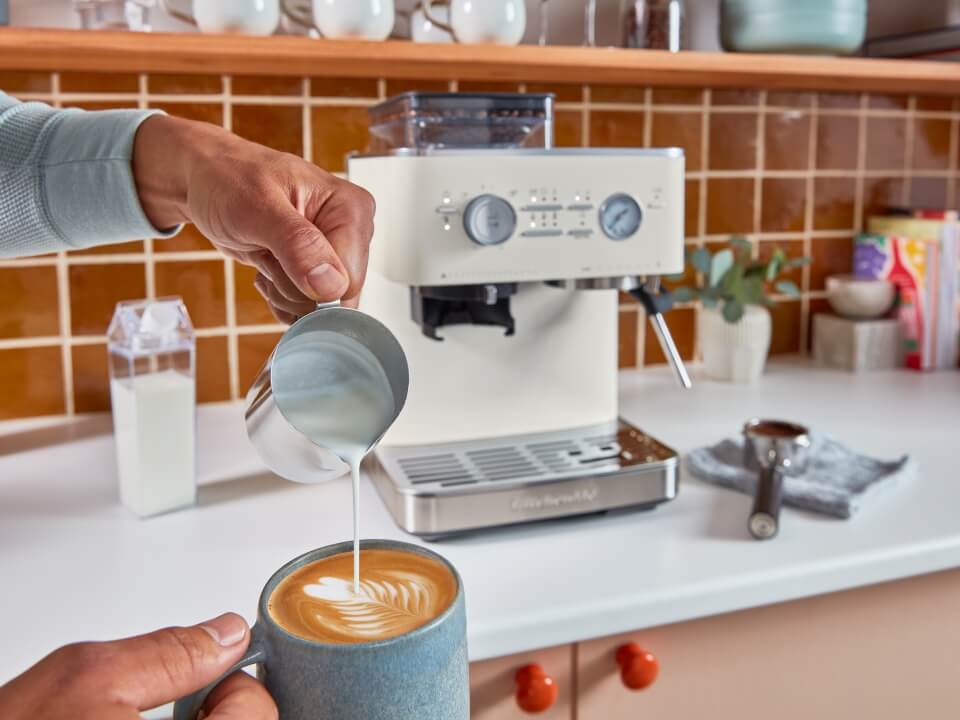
(735, 352)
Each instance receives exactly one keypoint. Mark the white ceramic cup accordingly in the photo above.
(362, 19)
(491, 21)
(423, 30)
(246, 17)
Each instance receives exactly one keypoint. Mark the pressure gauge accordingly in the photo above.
(489, 220)
(620, 216)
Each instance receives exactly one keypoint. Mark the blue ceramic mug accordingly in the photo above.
(422, 675)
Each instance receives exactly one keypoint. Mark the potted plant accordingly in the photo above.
(735, 327)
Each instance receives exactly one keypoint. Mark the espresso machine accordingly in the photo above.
(497, 261)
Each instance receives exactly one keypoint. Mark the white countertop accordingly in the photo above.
(75, 565)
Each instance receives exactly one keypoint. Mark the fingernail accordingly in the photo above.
(227, 630)
(327, 282)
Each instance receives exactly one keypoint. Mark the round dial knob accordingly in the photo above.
(489, 220)
(536, 691)
(620, 216)
(638, 668)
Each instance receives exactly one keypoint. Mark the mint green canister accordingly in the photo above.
(810, 27)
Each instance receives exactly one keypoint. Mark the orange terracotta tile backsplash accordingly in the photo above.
(790, 169)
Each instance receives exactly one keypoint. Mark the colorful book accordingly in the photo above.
(922, 257)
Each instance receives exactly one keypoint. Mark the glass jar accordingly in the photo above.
(653, 24)
(114, 14)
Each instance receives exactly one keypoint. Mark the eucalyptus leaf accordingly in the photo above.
(685, 294)
(788, 287)
(798, 262)
(710, 302)
(741, 243)
(732, 311)
(721, 263)
(701, 260)
(753, 290)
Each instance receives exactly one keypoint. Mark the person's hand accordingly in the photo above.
(116, 680)
(308, 232)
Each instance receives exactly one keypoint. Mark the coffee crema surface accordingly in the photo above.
(399, 592)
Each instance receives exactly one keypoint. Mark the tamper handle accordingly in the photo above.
(764, 519)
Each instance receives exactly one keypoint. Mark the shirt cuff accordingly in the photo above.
(89, 191)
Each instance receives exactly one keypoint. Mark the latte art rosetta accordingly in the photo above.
(398, 603)
(399, 592)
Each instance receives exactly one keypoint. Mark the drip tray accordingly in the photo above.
(440, 490)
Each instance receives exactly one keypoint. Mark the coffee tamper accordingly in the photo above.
(773, 449)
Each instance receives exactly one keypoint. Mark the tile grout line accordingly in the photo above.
(760, 159)
(702, 205)
(908, 152)
(858, 203)
(64, 311)
(229, 278)
(954, 148)
(149, 269)
(101, 339)
(805, 271)
(306, 121)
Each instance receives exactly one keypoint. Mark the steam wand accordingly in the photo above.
(657, 303)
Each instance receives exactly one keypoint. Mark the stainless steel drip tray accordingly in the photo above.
(446, 489)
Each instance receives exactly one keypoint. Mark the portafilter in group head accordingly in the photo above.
(773, 448)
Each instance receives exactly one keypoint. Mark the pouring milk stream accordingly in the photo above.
(334, 384)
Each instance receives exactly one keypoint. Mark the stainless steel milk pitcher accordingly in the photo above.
(279, 427)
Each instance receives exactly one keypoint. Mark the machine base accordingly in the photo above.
(445, 490)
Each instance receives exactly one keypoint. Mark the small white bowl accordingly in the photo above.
(860, 298)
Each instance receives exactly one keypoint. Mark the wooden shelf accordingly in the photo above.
(41, 49)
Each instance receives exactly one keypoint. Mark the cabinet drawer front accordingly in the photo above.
(885, 652)
(493, 685)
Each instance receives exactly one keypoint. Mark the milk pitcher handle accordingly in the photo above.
(188, 708)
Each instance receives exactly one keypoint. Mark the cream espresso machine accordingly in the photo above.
(496, 262)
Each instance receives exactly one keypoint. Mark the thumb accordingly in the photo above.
(150, 670)
(308, 259)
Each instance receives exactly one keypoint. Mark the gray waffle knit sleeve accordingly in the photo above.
(66, 180)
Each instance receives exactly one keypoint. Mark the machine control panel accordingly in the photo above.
(492, 220)
(489, 220)
(482, 217)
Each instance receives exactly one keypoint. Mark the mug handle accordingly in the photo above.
(174, 13)
(298, 15)
(428, 13)
(188, 708)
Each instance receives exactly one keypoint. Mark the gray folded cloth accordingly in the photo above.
(836, 482)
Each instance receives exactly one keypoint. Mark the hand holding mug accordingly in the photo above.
(117, 680)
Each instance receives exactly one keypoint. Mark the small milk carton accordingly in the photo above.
(152, 391)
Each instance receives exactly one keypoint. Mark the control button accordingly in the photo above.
(580, 233)
(489, 220)
(583, 207)
(447, 210)
(542, 208)
(546, 232)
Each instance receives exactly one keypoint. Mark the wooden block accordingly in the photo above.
(856, 345)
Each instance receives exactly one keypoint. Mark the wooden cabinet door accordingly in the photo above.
(493, 686)
(885, 652)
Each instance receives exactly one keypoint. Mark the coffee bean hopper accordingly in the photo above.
(497, 262)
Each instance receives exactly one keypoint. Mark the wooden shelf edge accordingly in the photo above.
(43, 49)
